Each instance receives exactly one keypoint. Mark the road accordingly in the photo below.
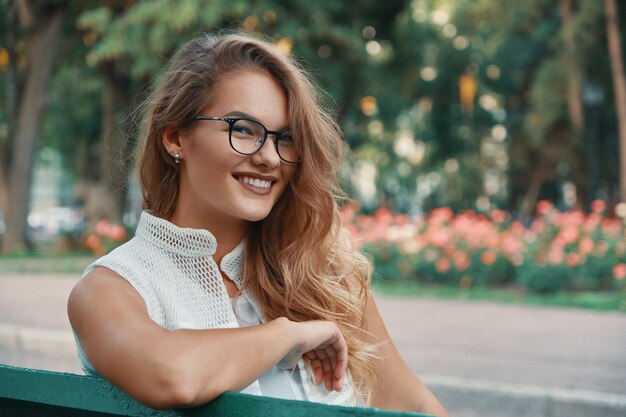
(477, 343)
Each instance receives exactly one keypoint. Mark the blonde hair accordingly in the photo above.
(299, 263)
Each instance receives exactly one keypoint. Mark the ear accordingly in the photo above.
(172, 141)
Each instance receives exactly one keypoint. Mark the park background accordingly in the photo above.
(485, 141)
(483, 138)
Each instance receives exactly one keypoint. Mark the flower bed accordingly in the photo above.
(557, 251)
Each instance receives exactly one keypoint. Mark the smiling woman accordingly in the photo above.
(240, 276)
(248, 181)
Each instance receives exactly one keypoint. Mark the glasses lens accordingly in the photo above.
(286, 146)
(247, 136)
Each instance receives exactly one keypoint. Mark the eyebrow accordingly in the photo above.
(241, 114)
(249, 116)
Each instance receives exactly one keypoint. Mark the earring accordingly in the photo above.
(177, 158)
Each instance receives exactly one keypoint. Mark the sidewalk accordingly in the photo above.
(480, 358)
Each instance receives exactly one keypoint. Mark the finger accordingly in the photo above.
(335, 381)
(328, 382)
(327, 362)
(318, 371)
(340, 353)
(340, 367)
(337, 384)
(331, 371)
(325, 367)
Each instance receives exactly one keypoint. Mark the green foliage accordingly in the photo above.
(549, 104)
(544, 278)
(73, 122)
(411, 65)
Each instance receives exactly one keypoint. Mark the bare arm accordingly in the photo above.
(397, 387)
(166, 369)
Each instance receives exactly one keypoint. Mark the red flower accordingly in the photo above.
(117, 232)
(384, 215)
(499, 216)
(461, 261)
(442, 213)
(102, 227)
(619, 271)
(598, 206)
(93, 242)
(440, 237)
(572, 259)
(443, 265)
(586, 245)
(544, 207)
(488, 257)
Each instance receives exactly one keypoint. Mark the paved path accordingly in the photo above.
(512, 345)
(552, 347)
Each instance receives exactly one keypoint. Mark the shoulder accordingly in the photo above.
(101, 290)
(99, 278)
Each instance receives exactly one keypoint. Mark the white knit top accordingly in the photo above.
(173, 270)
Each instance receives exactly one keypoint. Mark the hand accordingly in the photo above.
(322, 343)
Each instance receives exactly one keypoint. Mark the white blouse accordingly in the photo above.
(173, 270)
(276, 382)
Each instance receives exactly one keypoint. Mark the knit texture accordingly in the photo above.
(173, 270)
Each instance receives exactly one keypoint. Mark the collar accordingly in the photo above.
(188, 242)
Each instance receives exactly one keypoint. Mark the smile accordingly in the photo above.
(255, 182)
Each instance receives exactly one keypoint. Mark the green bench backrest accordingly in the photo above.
(35, 393)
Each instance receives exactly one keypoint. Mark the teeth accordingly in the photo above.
(255, 182)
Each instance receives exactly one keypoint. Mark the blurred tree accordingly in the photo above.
(466, 103)
(31, 46)
(130, 42)
(538, 57)
(619, 84)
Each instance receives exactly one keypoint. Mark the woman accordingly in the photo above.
(239, 277)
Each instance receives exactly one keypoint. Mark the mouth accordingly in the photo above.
(255, 182)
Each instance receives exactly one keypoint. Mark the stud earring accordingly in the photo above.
(177, 158)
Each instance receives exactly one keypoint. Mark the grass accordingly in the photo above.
(75, 262)
(45, 263)
(595, 300)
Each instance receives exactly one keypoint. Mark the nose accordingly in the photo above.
(268, 154)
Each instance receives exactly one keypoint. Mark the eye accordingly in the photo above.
(285, 139)
(246, 129)
(243, 130)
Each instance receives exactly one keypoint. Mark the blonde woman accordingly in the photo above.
(239, 277)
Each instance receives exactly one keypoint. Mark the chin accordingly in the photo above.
(256, 217)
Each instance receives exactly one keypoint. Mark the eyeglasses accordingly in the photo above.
(247, 137)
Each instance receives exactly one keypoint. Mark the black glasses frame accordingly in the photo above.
(231, 122)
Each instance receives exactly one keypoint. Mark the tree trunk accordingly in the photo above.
(108, 154)
(574, 93)
(619, 86)
(10, 94)
(41, 57)
(116, 150)
(539, 176)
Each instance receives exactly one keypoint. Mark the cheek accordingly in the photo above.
(290, 172)
(210, 158)
(290, 179)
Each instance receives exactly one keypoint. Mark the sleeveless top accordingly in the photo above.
(173, 270)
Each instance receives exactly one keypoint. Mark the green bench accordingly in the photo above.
(36, 393)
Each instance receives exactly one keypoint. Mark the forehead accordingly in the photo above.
(255, 93)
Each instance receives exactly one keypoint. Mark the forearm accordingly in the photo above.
(428, 403)
(407, 394)
(191, 367)
(219, 360)
(397, 387)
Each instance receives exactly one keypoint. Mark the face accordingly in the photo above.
(217, 184)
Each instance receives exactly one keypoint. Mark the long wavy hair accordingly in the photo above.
(299, 263)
